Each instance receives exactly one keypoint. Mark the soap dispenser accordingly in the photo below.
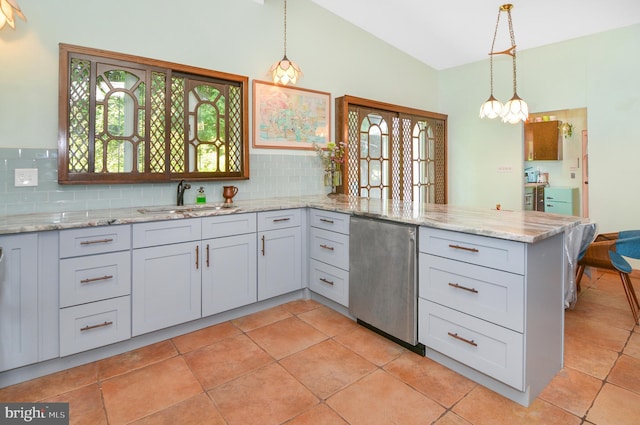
(201, 198)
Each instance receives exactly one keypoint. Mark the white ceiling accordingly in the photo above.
(448, 33)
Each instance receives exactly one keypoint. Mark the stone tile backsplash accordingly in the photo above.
(272, 175)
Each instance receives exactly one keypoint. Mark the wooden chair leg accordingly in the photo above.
(631, 296)
(579, 273)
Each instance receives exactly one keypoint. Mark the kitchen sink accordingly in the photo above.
(187, 209)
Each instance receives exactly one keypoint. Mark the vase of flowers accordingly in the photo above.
(332, 157)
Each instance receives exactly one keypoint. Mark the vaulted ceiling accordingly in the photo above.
(448, 33)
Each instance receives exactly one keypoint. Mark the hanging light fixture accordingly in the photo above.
(285, 71)
(7, 10)
(516, 109)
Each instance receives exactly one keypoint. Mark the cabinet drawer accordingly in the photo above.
(329, 281)
(481, 250)
(92, 325)
(166, 232)
(270, 220)
(488, 348)
(330, 247)
(328, 220)
(228, 225)
(94, 277)
(486, 293)
(559, 194)
(94, 240)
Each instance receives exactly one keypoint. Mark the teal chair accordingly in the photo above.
(607, 251)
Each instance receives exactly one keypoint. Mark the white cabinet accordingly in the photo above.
(95, 287)
(279, 253)
(166, 287)
(229, 274)
(492, 309)
(18, 301)
(329, 252)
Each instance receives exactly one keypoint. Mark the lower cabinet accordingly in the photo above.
(279, 253)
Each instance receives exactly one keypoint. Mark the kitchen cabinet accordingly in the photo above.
(166, 274)
(329, 252)
(95, 287)
(562, 200)
(542, 141)
(492, 309)
(229, 274)
(28, 299)
(279, 252)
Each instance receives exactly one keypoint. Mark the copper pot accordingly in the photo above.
(228, 192)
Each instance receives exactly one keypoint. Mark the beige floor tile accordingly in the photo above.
(328, 321)
(626, 374)
(633, 345)
(268, 396)
(225, 360)
(141, 392)
(327, 367)
(85, 405)
(373, 347)
(197, 410)
(135, 359)
(484, 407)
(430, 378)
(286, 337)
(572, 391)
(587, 357)
(51, 385)
(318, 415)
(261, 318)
(301, 306)
(599, 333)
(380, 398)
(615, 406)
(206, 336)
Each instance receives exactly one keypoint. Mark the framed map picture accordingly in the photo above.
(290, 118)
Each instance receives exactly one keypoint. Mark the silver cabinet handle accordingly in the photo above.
(96, 241)
(458, 286)
(328, 282)
(464, 248)
(100, 325)
(330, 248)
(95, 279)
(468, 341)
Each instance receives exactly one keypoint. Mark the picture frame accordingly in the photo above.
(290, 118)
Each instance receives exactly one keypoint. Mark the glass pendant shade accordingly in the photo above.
(9, 8)
(285, 72)
(515, 110)
(491, 109)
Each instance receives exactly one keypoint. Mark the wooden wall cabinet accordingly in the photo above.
(542, 141)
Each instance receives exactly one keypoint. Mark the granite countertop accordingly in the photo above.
(522, 226)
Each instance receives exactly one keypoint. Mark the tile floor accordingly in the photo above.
(302, 363)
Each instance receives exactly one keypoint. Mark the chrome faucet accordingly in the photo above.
(182, 186)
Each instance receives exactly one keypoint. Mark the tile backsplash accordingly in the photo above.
(272, 175)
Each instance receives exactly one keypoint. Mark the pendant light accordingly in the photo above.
(285, 71)
(7, 10)
(516, 109)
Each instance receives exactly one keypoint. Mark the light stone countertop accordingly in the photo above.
(522, 226)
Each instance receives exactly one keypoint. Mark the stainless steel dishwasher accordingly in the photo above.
(382, 279)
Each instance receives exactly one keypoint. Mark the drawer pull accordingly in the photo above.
(328, 282)
(95, 279)
(101, 325)
(330, 248)
(197, 257)
(458, 286)
(262, 245)
(456, 336)
(207, 255)
(326, 220)
(279, 220)
(96, 241)
(464, 248)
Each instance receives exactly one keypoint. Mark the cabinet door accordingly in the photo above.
(542, 141)
(229, 273)
(279, 262)
(18, 301)
(166, 286)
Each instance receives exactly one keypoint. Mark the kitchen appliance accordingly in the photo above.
(383, 279)
(534, 197)
(531, 174)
